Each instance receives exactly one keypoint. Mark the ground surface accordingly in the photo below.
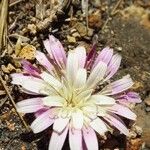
(124, 26)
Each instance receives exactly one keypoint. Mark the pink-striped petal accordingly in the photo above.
(91, 57)
(29, 68)
(57, 140)
(117, 123)
(122, 111)
(113, 66)
(97, 74)
(127, 98)
(118, 86)
(42, 122)
(105, 56)
(43, 60)
(57, 51)
(75, 139)
(90, 139)
(29, 105)
(48, 48)
(40, 112)
(133, 97)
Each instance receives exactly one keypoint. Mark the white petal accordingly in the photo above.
(81, 55)
(75, 139)
(53, 101)
(90, 110)
(72, 66)
(29, 105)
(97, 74)
(60, 124)
(103, 100)
(99, 126)
(80, 78)
(51, 80)
(42, 122)
(90, 139)
(85, 95)
(102, 111)
(30, 101)
(30, 83)
(57, 140)
(77, 119)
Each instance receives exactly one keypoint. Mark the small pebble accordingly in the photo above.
(71, 39)
(90, 32)
(76, 35)
(147, 101)
(81, 28)
(119, 48)
(132, 134)
(138, 130)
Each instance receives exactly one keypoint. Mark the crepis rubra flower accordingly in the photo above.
(75, 95)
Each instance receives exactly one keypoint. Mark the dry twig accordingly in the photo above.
(15, 3)
(12, 101)
(113, 12)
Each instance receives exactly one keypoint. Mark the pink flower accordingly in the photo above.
(71, 95)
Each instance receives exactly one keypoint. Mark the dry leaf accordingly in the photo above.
(28, 52)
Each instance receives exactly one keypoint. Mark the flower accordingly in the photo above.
(75, 95)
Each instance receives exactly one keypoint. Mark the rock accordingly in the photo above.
(132, 134)
(8, 68)
(73, 31)
(71, 39)
(119, 49)
(76, 35)
(147, 109)
(138, 130)
(32, 28)
(90, 32)
(147, 101)
(81, 28)
(96, 3)
(135, 131)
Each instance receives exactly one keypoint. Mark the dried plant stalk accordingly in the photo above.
(13, 103)
(3, 19)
